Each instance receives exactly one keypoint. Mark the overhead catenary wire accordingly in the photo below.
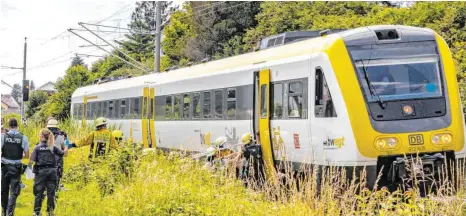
(140, 64)
(114, 27)
(63, 35)
(108, 51)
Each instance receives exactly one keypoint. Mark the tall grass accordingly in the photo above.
(133, 182)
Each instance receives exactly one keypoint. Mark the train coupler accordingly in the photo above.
(423, 169)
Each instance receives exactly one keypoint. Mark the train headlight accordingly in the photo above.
(442, 139)
(387, 143)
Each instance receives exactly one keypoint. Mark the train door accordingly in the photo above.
(145, 115)
(262, 118)
(148, 116)
(152, 118)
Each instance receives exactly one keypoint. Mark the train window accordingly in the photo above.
(323, 100)
(186, 102)
(263, 101)
(145, 107)
(168, 107)
(218, 96)
(135, 107)
(111, 109)
(152, 108)
(75, 111)
(295, 99)
(116, 115)
(99, 109)
(122, 108)
(176, 107)
(207, 105)
(79, 113)
(231, 103)
(196, 105)
(88, 111)
(277, 100)
(105, 109)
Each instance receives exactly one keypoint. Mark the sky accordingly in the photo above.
(49, 46)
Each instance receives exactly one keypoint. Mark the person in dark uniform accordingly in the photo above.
(59, 140)
(15, 147)
(45, 169)
(252, 154)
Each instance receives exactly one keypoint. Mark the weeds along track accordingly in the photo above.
(131, 183)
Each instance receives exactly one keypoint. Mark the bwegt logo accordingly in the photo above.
(334, 143)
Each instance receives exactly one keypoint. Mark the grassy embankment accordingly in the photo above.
(156, 184)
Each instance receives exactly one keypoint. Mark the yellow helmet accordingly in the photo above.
(118, 135)
(220, 141)
(246, 138)
(100, 121)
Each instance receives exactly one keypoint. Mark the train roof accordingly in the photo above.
(316, 44)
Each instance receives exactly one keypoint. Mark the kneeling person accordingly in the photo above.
(45, 168)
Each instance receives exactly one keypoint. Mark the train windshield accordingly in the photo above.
(398, 79)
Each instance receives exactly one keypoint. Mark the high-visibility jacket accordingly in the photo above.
(100, 141)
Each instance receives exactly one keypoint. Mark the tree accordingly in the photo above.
(77, 61)
(59, 104)
(32, 86)
(17, 93)
(36, 100)
(218, 26)
(140, 43)
(176, 36)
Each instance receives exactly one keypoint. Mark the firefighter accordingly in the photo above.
(59, 142)
(45, 170)
(118, 135)
(100, 140)
(15, 147)
(252, 153)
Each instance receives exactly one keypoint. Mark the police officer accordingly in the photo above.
(45, 167)
(100, 140)
(59, 142)
(15, 146)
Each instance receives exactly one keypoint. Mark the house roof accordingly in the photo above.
(49, 86)
(9, 101)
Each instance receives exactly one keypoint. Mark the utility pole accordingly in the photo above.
(23, 104)
(158, 11)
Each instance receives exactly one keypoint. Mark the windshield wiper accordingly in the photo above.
(372, 90)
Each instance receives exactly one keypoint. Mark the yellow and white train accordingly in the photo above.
(357, 98)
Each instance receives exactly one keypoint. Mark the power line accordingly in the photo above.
(127, 56)
(114, 14)
(107, 51)
(114, 27)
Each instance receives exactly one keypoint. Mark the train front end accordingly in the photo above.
(408, 105)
